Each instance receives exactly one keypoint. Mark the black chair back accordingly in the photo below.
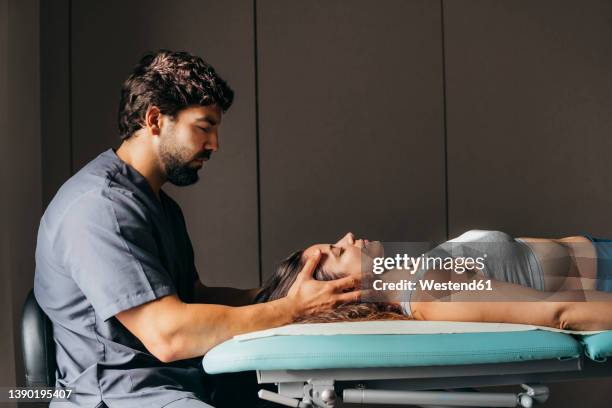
(37, 344)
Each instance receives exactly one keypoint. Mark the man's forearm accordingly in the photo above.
(200, 327)
(173, 330)
(223, 295)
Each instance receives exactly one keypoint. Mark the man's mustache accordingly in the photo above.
(205, 155)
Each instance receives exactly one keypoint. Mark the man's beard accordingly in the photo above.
(175, 160)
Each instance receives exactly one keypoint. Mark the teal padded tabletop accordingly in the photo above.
(387, 350)
(598, 347)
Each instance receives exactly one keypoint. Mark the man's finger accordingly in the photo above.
(348, 282)
(348, 297)
(371, 295)
(310, 266)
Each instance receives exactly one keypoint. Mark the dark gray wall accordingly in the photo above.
(529, 102)
(351, 122)
(529, 97)
(56, 142)
(20, 171)
(7, 360)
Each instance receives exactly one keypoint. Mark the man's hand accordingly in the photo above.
(310, 296)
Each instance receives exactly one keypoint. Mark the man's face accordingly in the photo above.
(188, 141)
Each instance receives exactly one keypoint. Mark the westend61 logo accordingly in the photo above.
(412, 264)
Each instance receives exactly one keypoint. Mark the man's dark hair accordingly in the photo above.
(170, 80)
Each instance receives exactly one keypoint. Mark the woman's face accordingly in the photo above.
(349, 256)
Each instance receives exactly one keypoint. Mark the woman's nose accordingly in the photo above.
(347, 239)
(350, 238)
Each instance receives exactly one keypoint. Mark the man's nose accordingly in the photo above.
(212, 143)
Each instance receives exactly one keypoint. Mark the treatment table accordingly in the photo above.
(411, 362)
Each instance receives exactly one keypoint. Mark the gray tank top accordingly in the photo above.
(505, 258)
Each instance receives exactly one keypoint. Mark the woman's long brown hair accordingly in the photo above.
(280, 282)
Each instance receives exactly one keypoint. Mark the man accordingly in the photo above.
(114, 263)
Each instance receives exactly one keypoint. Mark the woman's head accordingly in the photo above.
(348, 256)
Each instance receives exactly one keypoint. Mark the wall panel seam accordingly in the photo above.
(257, 162)
(444, 120)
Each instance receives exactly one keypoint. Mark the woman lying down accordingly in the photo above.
(563, 283)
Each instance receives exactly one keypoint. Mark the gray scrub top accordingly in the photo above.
(107, 244)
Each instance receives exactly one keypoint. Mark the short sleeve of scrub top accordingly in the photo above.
(112, 255)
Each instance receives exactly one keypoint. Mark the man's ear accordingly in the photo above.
(153, 118)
